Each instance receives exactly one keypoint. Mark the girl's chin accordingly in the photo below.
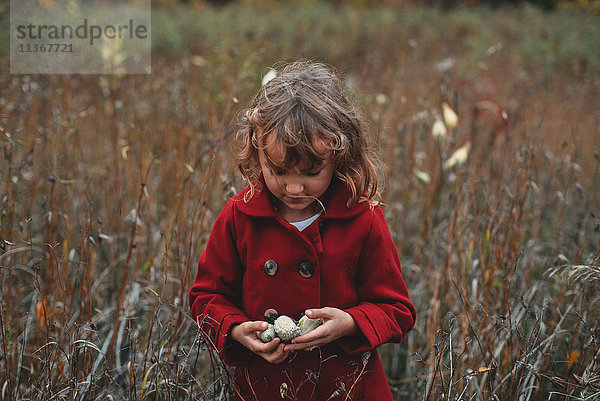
(304, 206)
(297, 207)
(298, 201)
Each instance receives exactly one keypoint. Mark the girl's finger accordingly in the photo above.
(325, 313)
(308, 346)
(308, 337)
(256, 326)
(278, 355)
(269, 347)
(315, 313)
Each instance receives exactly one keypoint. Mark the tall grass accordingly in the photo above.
(110, 186)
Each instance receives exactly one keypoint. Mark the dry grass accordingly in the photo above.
(110, 186)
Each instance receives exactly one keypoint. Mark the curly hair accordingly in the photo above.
(303, 102)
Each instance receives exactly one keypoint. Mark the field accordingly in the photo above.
(109, 186)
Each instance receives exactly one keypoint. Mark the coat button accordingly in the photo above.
(306, 269)
(270, 267)
(271, 315)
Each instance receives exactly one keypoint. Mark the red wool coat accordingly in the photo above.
(354, 266)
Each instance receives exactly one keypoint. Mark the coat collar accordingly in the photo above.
(261, 203)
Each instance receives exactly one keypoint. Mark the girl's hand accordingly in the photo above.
(336, 324)
(247, 334)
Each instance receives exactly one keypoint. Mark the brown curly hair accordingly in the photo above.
(306, 99)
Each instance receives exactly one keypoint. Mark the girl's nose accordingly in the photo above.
(294, 187)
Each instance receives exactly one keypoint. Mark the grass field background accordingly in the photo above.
(110, 184)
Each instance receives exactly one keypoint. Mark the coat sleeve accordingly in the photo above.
(215, 295)
(385, 312)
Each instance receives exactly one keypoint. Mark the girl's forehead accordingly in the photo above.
(276, 151)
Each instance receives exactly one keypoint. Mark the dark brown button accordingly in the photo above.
(271, 267)
(306, 269)
(271, 315)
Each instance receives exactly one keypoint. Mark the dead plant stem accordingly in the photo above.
(121, 297)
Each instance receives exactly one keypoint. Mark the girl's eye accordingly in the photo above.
(280, 172)
(313, 173)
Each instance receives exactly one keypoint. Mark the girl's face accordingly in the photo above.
(297, 188)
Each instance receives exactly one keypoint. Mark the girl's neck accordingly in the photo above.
(293, 216)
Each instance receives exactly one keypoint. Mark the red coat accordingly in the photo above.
(355, 268)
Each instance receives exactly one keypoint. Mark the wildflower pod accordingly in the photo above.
(450, 116)
(307, 324)
(459, 157)
(286, 328)
(268, 334)
(438, 130)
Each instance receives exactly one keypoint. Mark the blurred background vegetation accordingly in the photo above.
(486, 115)
(546, 4)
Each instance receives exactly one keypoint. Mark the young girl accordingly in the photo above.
(306, 236)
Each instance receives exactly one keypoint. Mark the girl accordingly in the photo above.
(306, 236)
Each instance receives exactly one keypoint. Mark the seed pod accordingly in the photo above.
(286, 328)
(307, 324)
(268, 334)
